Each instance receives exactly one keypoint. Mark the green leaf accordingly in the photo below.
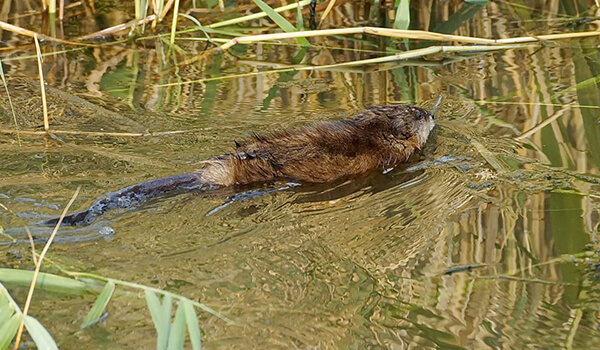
(299, 18)
(177, 335)
(167, 307)
(43, 340)
(402, 20)
(45, 281)
(99, 305)
(279, 20)
(154, 306)
(458, 18)
(161, 316)
(8, 329)
(191, 319)
(253, 16)
(6, 309)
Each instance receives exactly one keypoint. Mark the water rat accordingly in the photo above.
(379, 137)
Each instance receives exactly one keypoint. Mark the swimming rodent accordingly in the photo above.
(379, 137)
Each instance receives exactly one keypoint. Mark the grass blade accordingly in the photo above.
(458, 18)
(280, 21)
(177, 334)
(256, 15)
(10, 318)
(154, 307)
(12, 108)
(45, 281)
(41, 337)
(402, 20)
(91, 277)
(275, 17)
(191, 319)
(8, 330)
(299, 18)
(174, 23)
(6, 309)
(161, 316)
(100, 304)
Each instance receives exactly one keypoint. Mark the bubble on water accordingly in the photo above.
(107, 232)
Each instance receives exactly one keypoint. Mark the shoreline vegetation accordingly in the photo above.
(171, 23)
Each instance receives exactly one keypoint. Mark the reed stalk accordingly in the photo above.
(174, 23)
(397, 57)
(103, 134)
(330, 5)
(12, 107)
(165, 10)
(42, 84)
(52, 7)
(39, 265)
(31, 34)
(407, 34)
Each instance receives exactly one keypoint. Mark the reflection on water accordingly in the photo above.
(505, 192)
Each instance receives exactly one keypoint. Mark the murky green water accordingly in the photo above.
(359, 264)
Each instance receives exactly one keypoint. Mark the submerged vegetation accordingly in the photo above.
(145, 58)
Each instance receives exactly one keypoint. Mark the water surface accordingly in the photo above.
(477, 243)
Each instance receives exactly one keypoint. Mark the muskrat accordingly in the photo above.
(379, 137)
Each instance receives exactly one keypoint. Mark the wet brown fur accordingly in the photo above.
(376, 138)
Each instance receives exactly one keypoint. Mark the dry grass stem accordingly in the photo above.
(42, 85)
(396, 33)
(39, 12)
(117, 28)
(406, 34)
(559, 113)
(397, 57)
(39, 265)
(31, 34)
(2, 233)
(33, 255)
(574, 327)
(101, 134)
(326, 12)
(12, 107)
(574, 105)
(165, 10)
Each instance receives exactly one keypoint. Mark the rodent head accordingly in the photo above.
(414, 122)
(408, 122)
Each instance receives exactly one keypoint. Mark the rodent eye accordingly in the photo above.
(419, 115)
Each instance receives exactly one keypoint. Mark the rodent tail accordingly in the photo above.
(130, 196)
